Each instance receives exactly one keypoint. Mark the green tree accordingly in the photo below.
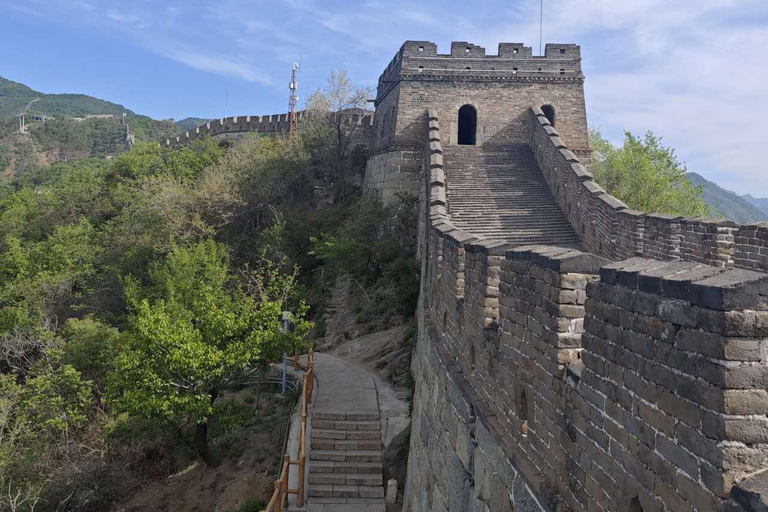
(327, 130)
(194, 330)
(646, 175)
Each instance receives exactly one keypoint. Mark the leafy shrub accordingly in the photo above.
(252, 505)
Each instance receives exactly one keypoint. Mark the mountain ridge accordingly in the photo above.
(727, 203)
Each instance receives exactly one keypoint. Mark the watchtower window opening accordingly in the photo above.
(466, 50)
(421, 69)
(468, 68)
(514, 71)
(467, 125)
(421, 48)
(549, 113)
(514, 51)
(634, 505)
(562, 50)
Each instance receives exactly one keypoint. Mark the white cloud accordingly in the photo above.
(217, 64)
(121, 17)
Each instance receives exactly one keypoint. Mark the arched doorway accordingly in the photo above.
(468, 125)
(549, 113)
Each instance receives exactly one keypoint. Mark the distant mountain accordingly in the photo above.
(14, 98)
(760, 202)
(731, 205)
(190, 123)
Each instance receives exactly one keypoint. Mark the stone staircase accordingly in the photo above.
(345, 460)
(499, 193)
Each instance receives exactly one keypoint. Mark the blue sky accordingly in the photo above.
(693, 71)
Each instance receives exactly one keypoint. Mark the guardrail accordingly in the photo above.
(280, 495)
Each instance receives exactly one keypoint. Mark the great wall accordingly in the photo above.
(573, 354)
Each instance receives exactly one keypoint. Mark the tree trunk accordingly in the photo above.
(201, 444)
(262, 371)
(201, 437)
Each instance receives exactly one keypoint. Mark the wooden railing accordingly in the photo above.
(280, 496)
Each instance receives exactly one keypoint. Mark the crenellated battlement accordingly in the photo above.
(420, 60)
(275, 124)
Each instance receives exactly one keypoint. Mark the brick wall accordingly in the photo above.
(673, 385)
(550, 379)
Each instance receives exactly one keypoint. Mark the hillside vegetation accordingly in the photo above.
(646, 175)
(727, 204)
(63, 138)
(190, 123)
(138, 295)
(14, 97)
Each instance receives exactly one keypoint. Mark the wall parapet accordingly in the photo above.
(608, 227)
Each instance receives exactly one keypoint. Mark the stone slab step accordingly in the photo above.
(344, 444)
(353, 415)
(344, 491)
(345, 434)
(329, 466)
(346, 456)
(346, 505)
(345, 424)
(359, 479)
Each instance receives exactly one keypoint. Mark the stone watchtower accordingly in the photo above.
(481, 99)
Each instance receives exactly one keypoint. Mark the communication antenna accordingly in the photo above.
(541, 26)
(293, 102)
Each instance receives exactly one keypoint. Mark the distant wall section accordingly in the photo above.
(276, 124)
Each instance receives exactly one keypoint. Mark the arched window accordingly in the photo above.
(467, 125)
(549, 113)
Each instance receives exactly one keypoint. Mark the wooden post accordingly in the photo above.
(302, 463)
(279, 500)
(286, 472)
(296, 361)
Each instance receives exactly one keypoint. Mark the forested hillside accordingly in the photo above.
(190, 123)
(14, 98)
(139, 294)
(726, 203)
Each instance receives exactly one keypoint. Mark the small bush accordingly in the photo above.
(252, 505)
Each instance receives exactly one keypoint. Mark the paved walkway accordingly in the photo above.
(344, 468)
(343, 385)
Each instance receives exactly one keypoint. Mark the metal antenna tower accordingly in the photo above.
(293, 103)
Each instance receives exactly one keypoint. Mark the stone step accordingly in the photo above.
(500, 193)
(344, 491)
(345, 444)
(356, 415)
(345, 434)
(344, 424)
(346, 455)
(349, 504)
(323, 466)
(360, 479)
